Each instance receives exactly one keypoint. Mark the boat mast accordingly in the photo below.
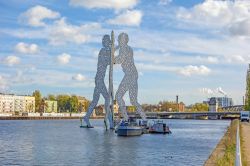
(111, 90)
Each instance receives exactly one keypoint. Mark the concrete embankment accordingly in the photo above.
(224, 153)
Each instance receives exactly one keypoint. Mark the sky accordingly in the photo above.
(194, 49)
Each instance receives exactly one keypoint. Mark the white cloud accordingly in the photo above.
(233, 16)
(208, 59)
(35, 16)
(63, 58)
(237, 59)
(194, 70)
(128, 18)
(25, 48)
(110, 4)
(61, 32)
(79, 77)
(164, 2)
(240, 28)
(11, 60)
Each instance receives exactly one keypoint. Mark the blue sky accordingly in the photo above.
(195, 49)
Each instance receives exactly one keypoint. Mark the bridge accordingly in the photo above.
(191, 115)
(234, 108)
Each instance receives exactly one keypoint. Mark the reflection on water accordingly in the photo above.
(62, 142)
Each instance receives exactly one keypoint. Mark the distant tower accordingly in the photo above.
(247, 98)
(213, 104)
(213, 107)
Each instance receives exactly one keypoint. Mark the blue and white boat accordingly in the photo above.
(129, 128)
(159, 127)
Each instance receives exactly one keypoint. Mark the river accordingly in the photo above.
(63, 142)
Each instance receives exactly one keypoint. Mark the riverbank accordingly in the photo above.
(245, 143)
(224, 153)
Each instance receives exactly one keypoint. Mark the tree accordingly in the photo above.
(199, 107)
(73, 103)
(51, 97)
(43, 106)
(247, 97)
(63, 103)
(38, 99)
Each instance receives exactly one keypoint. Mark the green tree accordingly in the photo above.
(199, 107)
(73, 103)
(63, 103)
(38, 100)
(43, 106)
(51, 97)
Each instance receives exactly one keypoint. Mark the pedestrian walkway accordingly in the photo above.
(245, 133)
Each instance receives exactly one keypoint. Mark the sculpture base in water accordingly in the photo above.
(86, 126)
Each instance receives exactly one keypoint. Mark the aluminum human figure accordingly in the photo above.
(100, 87)
(129, 82)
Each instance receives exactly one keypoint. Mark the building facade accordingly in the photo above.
(225, 101)
(222, 101)
(82, 104)
(51, 106)
(10, 103)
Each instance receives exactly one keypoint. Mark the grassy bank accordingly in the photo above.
(224, 153)
(243, 153)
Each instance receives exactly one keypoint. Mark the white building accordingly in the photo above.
(12, 103)
(222, 101)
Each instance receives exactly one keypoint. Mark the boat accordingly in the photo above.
(159, 127)
(129, 128)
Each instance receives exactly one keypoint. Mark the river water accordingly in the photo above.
(63, 142)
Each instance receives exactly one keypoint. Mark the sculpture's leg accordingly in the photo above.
(92, 105)
(119, 98)
(133, 91)
(108, 115)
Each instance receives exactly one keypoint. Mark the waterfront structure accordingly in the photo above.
(51, 106)
(10, 103)
(247, 95)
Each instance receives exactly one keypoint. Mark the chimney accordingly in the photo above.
(177, 99)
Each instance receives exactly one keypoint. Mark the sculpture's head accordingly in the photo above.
(106, 42)
(123, 39)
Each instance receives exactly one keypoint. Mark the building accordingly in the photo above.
(181, 107)
(10, 103)
(213, 104)
(116, 107)
(51, 106)
(83, 104)
(222, 101)
(29, 103)
(7, 103)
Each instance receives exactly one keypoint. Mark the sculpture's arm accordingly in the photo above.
(119, 58)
